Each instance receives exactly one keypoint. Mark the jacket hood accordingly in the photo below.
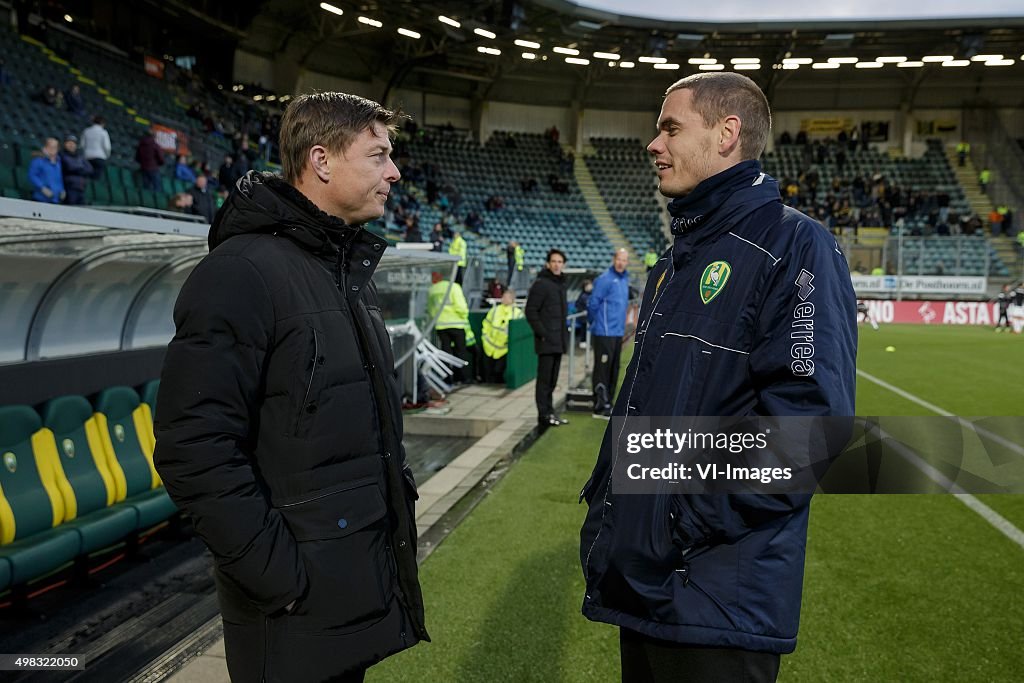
(265, 203)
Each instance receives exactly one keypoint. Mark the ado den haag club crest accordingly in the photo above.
(712, 282)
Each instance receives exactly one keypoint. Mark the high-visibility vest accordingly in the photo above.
(458, 248)
(495, 329)
(455, 313)
(520, 257)
(985, 176)
(650, 259)
(964, 147)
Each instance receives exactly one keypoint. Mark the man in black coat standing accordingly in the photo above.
(279, 428)
(546, 311)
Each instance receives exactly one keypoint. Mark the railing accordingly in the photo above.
(899, 254)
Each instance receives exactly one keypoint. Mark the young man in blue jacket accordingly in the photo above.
(750, 313)
(606, 313)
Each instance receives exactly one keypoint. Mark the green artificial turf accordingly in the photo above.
(897, 588)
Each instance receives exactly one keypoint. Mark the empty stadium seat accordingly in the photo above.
(32, 542)
(125, 424)
(84, 478)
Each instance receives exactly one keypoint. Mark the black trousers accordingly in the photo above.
(454, 342)
(547, 377)
(459, 274)
(607, 351)
(649, 660)
(494, 369)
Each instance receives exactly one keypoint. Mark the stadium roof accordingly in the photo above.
(555, 52)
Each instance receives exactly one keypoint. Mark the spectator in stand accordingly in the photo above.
(45, 176)
(74, 100)
(995, 221)
(785, 138)
(473, 221)
(203, 202)
(184, 171)
(229, 173)
(437, 238)
(96, 145)
(75, 171)
(150, 158)
(181, 202)
(51, 97)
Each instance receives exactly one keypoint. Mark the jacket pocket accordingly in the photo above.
(342, 535)
(310, 374)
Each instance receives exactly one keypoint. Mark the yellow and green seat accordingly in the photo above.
(32, 541)
(125, 427)
(84, 478)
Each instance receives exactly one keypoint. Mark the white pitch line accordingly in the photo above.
(980, 431)
(1000, 523)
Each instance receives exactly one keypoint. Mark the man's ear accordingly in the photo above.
(729, 135)
(318, 160)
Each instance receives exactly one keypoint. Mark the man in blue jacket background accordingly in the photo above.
(606, 314)
(750, 313)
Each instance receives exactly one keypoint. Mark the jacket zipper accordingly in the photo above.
(312, 374)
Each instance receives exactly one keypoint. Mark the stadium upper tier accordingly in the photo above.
(624, 174)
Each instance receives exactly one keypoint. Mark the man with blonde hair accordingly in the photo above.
(279, 429)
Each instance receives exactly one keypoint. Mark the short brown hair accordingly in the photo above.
(331, 119)
(717, 95)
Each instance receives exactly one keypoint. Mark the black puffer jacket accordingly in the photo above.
(279, 431)
(546, 311)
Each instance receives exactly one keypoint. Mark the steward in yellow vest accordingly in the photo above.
(452, 319)
(495, 336)
(458, 248)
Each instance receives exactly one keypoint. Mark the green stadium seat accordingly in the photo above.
(86, 483)
(32, 543)
(126, 428)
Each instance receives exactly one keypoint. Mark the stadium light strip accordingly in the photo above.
(986, 58)
(711, 67)
(529, 55)
(607, 55)
(626, 65)
(936, 58)
(409, 34)
(701, 60)
(798, 60)
(890, 60)
(565, 51)
(842, 60)
(746, 67)
(869, 65)
(957, 62)
(370, 22)
(485, 33)
(328, 7)
(1000, 62)
(744, 60)
(910, 65)
(488, 50)
(667, 67)
(528, 43)
(577, 60)
(652, 60)
(451, 22)
(825, 65)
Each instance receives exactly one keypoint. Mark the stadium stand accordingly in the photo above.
(624, 174)
(538, 218)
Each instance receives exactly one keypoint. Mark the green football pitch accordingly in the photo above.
(897, 587)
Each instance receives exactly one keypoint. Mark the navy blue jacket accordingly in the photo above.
(722, 570)
(606, 308)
